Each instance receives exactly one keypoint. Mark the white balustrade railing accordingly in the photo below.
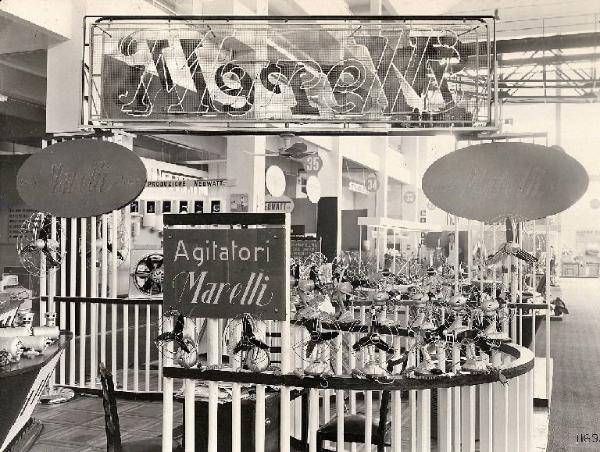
(468, 411)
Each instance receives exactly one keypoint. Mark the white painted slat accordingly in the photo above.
(189, 393)
(296, 337)
(500, 418)
(43, 288)
(530, 395)
(456, 401)
(412, 408)
(73, 293)
(368, 419)
(147, 349)
(525, 421)
(103, 287)
(82, 304)
(468, 418)
(396, 421)
(514, 422)
(259, 426)
(313, 419)
(444, 409)
(339, 395)
(114, 312)
(424, 420)
(125, 383)
(212, 327)
(286, 354)
(236, 418)
(136, 347)
(93, 306)
(236, 396)
(326, 394)
(167, 426)
(51, 307)
(485, 418)
(160, 361)
(63, 293)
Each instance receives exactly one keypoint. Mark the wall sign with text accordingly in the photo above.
(417, 73)
(304, 247)
(222, 273)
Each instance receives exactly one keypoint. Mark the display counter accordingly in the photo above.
(21, 385)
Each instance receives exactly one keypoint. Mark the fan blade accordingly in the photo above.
(247, 326)
(394, 362)
(258, 343)
(147, 285)
(500, 255)
(165, 337)
(524, 255)
(148, 262)
(28, 249)
(362, 342)
(182, 345)
(50, 261)
(510, 235)
(45, 230)
(179, 324)
(328, 336)
(382, 345)
(241, 346)
(311, 325)
(309, 348)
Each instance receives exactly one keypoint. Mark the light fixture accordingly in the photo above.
(3, 98)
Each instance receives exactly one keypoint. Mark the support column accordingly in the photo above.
(247, 167)
(331, 182)
(380, 146)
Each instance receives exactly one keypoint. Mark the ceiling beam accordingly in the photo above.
(540, 43)
(548, 60)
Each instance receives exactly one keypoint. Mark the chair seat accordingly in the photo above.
(354, 429)
(148, 445)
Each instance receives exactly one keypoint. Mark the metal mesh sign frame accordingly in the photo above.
(190, 72)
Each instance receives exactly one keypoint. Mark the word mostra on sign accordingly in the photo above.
(81, 178)
(221, 273)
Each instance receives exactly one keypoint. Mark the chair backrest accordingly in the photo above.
(111, 416)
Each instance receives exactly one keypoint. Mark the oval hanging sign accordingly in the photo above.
(491, 181)
(81, 178)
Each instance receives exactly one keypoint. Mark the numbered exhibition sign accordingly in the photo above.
(222, 273)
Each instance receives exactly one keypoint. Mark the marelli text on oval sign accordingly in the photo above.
(81, 178)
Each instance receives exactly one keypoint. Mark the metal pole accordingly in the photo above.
(547, 330)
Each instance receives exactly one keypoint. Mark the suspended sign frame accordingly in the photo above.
(210, 74)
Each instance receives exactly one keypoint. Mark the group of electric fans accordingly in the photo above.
(422, 303)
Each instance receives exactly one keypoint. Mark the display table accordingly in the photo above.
(21, 385)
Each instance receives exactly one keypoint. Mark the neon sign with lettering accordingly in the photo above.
(417, 73)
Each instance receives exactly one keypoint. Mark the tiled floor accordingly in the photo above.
(78, 425)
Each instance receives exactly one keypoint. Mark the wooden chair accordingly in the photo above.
(354, 427)
(111, 422)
